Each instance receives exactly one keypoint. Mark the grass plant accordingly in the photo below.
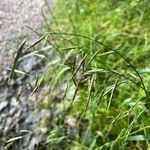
(98, 75)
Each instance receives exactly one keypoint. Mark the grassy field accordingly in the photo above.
(97, 79)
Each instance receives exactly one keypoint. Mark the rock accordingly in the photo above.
(43, 130)
(12, 111)
(70, 125)
(14, 102)
(3, 105)
(32, 118)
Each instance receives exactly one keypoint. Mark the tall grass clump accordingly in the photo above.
(97, 79)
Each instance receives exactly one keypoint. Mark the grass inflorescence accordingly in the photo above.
(97, 79)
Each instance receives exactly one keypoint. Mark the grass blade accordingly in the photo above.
(139, 138)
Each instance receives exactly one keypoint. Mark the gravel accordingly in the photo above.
(19, 119)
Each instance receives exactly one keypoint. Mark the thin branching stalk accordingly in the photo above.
(89, 95)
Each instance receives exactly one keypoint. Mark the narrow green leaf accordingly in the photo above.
(139, 138)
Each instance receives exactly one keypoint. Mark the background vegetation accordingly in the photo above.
(97, 79)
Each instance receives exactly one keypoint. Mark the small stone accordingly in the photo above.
(4, 116)
(32, 118)
(43, 130)
(12, 111)
(46, 113)
(29, 119)
(70, 121)
(3, 105)
(18, 114)
(14, 102)
(70, 125)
